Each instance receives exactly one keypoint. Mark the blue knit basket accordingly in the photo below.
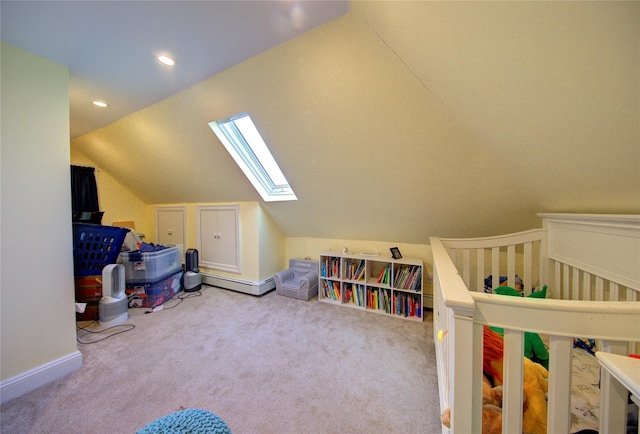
(190, 421)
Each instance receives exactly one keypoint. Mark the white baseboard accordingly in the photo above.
(246, 286)
(30, 380)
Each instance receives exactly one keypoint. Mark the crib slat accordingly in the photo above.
(614, 291)
(586, 286)
(511, 265)
(495, 267)
(633, 346)
(478, 352)
(543, 258)
(466, 267)
(575, 285)
(559, 408)
(528, 259)
(632, 295)
(599, 288)
(480, 269)
(566, 282)
(461, 336)
(513, 375)
(557, 281)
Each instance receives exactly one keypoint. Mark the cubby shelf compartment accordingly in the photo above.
(378, 284)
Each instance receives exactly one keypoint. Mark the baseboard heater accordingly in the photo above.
(245, 286)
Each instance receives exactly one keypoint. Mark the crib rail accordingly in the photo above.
(561, 320)
(453, 328)
(586, 292)
(522, 254)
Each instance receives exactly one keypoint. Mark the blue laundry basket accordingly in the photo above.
(95, 246)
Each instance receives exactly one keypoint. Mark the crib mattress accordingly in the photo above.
(585, 391)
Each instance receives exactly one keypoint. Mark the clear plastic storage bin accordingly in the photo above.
(150, 266)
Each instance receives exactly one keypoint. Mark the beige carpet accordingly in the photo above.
(267, 364)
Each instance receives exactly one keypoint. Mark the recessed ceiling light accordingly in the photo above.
(100, 104)
(166, 60)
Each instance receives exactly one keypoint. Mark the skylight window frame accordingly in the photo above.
(246, 158)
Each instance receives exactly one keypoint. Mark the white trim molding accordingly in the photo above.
(32, 379)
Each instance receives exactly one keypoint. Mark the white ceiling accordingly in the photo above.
(110, 47)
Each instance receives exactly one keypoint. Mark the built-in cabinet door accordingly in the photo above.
(218, 237)
(170, 225)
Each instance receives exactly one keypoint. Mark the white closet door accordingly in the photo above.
(170, 225)
(218, 237)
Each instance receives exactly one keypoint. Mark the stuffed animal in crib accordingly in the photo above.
(535, 386)
(491, 419)
(491, 409)
(534, 347)
(535, 383)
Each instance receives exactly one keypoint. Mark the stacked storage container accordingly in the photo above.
(152, 277)
(94, 247)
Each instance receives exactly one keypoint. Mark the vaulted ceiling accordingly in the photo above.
(111, 47)
(401, 120)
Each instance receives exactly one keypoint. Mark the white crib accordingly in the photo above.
(591, 265)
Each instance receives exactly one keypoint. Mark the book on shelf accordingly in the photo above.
(384, 286)
(335, 294)
(331, 290)
(349, 269)
(348, 294)
(407, 305)
(385, 275)
(381, 275)
(408, 277)
(359, 294)
(335, 267)
(353, 269)
(359, 273)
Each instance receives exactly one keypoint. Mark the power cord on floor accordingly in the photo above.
(179, 297)
(127, 328)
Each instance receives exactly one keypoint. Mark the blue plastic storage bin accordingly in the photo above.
(95, 246)
(154, 293)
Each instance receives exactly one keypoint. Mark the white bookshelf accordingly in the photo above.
(378, 284)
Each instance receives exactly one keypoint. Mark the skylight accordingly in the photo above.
(245, 144)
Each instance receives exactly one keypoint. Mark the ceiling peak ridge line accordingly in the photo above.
(407, 66)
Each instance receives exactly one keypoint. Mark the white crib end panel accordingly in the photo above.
(604, 245)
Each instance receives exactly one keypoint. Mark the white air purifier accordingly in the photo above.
(113, 308)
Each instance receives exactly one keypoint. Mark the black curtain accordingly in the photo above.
(84, 191)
